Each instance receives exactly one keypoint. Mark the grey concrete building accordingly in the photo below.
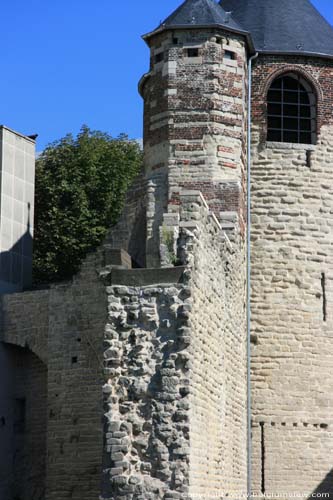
(17, 178)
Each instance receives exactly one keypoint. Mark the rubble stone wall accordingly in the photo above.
(146, 394)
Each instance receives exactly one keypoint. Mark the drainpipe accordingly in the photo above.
(249, 418)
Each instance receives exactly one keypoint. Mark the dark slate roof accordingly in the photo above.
(283, 26)
(200, 13)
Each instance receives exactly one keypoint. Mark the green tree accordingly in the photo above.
(81, 184)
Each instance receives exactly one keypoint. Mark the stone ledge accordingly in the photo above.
(146, 277)
(290, 145)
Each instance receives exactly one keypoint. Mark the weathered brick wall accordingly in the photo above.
(292, 271)
(175, 362)
(194, 124)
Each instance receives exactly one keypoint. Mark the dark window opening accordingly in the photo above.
(228, 54)
(291, 111)
(159, 57)
(192, 52)
(175, 41)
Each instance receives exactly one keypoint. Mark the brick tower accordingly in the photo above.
(195, 114)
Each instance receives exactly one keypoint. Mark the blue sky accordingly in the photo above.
(69, 62)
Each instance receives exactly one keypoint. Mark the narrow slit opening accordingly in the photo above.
(263, 486)
(323, 288)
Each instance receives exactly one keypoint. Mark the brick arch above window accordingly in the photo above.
(291, 68)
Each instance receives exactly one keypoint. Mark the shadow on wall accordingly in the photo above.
(325, 489)
(16, 263)
(137, 241)
(23, 411)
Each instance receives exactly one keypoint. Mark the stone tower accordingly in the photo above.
(184, 415)
(195, 115)
(292, 246)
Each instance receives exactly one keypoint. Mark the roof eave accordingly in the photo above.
(294, 53)
(162, 28)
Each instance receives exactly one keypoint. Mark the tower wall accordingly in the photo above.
(292, 273)
(175, 367)
(194, 124)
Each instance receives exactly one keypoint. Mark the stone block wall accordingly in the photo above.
(57, 395)
(291, 295)
(130, 231)
(217, 354)
(25, 321)
(23, 395)
(175, 366)
(77, 317)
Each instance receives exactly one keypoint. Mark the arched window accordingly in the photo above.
(291, 110)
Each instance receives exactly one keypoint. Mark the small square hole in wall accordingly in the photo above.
(159, 57)
(228, 54)
(194, 52)
(74, 359)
